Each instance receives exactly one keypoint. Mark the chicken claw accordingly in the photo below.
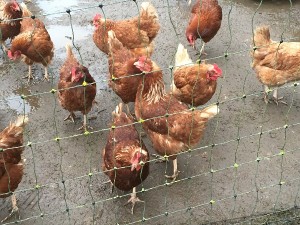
(278, 100)
(133, 199)
(71, 117)
(174, 176)
(85, 127)
(14, 210)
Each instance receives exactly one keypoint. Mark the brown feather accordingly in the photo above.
(177, 131)
(9, 29)
(121, 66)
(205, 21)
(275, 64)
(136, 33)
(121, 145)
(80, 98)
(11, 165)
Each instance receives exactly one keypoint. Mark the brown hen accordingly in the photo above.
(9, 11)
(136, 34)
(11, 163)
(125, 151)
(205, 21)
(194, 84)
(170, 125)
(124, 76)
(275, 63)
(33, 43)
(73, 98)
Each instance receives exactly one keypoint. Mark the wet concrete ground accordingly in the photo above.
(48, 163)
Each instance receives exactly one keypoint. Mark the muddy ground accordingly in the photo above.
(48, 163)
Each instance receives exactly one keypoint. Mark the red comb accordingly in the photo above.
(217, 69)
(97, 17)
(73, 71)
(16, 5)
(9, 54)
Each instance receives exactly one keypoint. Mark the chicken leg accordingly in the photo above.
(46, 77)
(84, 126)
(133, 199)
(277, 99)
(176, 171)
(29, 76)
(201, 52)
(71, 117)
(14, 210)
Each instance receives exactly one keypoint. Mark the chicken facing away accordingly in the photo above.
(73, 98)
(33, 43)
(205, 22)
(136, 34)
(126, 75)
(9, 29)
(125, 151)
(275, 63)
(11, 163)
(170, 125)
(193, 84)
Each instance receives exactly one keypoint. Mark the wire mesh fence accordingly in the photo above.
(243, 171)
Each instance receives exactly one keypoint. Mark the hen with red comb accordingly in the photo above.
(193, 83)
(9, 26)
(136, 34)
(77, 88)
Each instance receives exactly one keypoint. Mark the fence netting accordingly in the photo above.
(245, 169)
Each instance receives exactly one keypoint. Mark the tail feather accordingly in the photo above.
(69, 50)
(26, 11)
(13, 130)
(182, 56)
(262, 36)
(209, 112)
(149, 9)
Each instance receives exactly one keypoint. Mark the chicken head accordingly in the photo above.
(14, 55)
(138, 157)
(144, 64)
(79, 73)
(97, 17)
(15, 6)
(191, 39)
(213, 72)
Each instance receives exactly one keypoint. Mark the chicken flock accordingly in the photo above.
(170, 119)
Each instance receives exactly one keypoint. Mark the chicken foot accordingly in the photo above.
(14, 210)
(133, 199)
(201, 52)
(276, 99)
(176, 171)
(29, 76)
(71, 117)
(85, 126)
(111, 186)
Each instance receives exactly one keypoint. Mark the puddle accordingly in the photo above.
(61, 35)
(16, 103)
(55, 6)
